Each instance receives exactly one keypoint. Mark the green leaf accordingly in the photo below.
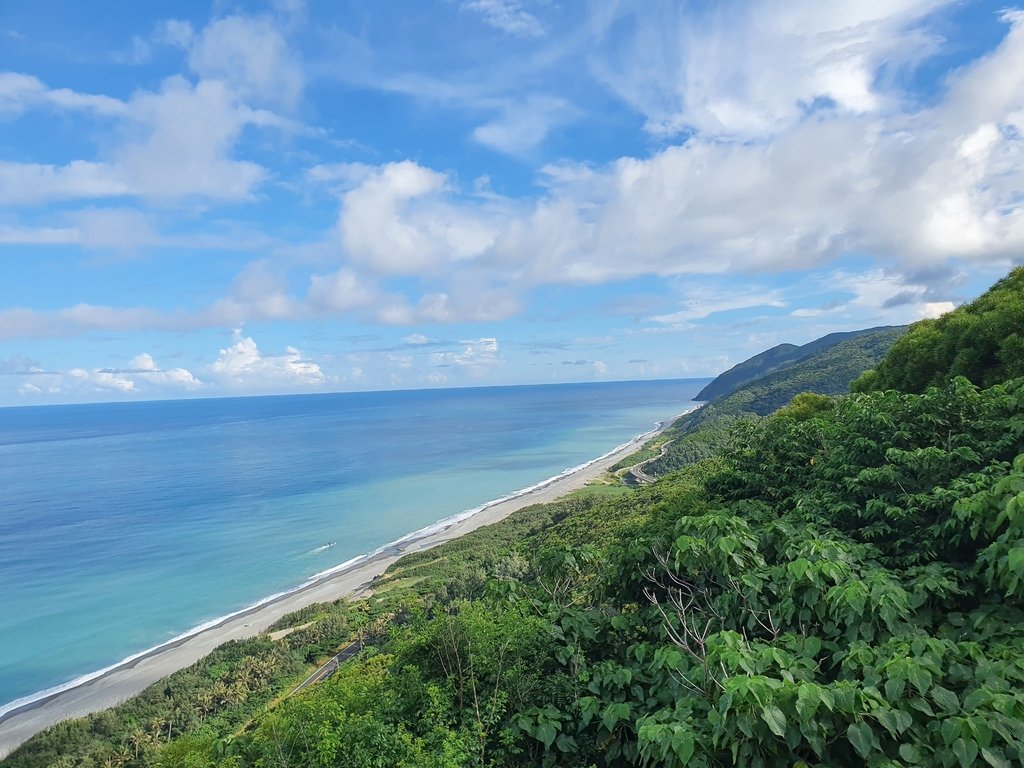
(894, 688)
(910, 753)
(920, 678)
(683, 745)
(994, 758)
(950, 729)
(862, 738)
(545, 733)
(588, 708)
(888, 720)
(613, 714)
(566, 743)
(776, 720)
(976, 698)
(945, 698)
(966, 752)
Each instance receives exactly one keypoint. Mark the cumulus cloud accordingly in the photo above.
(143, 368)
(243, 365)
(176, 141)
(477, 356)
(141, 377)
(398, 221)
(918, 185)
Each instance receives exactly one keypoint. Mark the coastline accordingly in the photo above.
(108, 687)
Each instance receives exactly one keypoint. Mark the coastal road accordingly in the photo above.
(637, 469)
(330, 666)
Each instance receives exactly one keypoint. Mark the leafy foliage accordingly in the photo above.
(983, 341)
(828, 371)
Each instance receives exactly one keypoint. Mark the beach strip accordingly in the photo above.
(135, 675)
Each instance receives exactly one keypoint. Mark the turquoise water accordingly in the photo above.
(125, 525)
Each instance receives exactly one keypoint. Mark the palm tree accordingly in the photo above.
(137, 739)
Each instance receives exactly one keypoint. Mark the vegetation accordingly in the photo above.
(982, 341)
(827, 371)
(773, 360)
(841, 585)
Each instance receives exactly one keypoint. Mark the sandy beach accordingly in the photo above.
(130, 678)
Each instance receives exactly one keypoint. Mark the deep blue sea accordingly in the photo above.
(124, 525)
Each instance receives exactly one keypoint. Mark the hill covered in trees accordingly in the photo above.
(773, 360)
(982, 341)
(828, 371)
(841, 585)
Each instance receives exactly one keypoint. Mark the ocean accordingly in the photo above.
(125, 525)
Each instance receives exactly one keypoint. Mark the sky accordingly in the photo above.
(224, 199)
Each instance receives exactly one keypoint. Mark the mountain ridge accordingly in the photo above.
(776, 358)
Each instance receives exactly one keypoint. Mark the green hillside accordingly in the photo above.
(842, 584)
(826, 372)
(773, 359)
(982, 341)
(749, 369)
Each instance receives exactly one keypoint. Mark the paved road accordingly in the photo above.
(331, 666)
(637, 469)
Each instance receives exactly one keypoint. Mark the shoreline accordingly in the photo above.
(108, 687)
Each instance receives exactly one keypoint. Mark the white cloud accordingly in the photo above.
(698, 304)
(398, 222)
(243, 365)
(100, 380)
(252, 56)
(175, 32)
(916, 186)
(37, 235)
(183, 138)
(415, 338)
(179, 145)
(755, 68)
(523, 124)
(477, 356)
(30, 183)
(507, 16)
(141, 377)
(143, 369)
(177, 141)
(115, 228)
(340, 176)
(19, 92)
(339, 291)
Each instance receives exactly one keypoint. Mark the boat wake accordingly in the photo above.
(324, 548)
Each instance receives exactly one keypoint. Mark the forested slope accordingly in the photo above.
(828, 371)
(982, 341)
(841, 586)
(773, 360)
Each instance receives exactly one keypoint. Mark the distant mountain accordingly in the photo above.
(772, 360)
(829, 370)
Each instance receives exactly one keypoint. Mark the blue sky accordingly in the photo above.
(307, 196)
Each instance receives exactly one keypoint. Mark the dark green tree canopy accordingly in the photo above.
(982, 341)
